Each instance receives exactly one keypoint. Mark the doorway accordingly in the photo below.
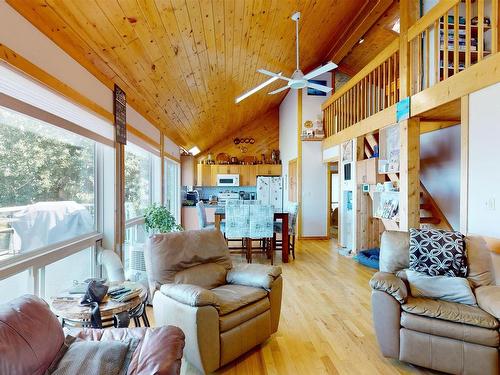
(333, 199)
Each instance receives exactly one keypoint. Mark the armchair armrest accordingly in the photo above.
(256, 275)
(488, 299)
(188, 294)
(391, 284)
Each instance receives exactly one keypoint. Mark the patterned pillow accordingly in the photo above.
(438, 252)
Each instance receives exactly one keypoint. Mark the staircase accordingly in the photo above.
(431, 215)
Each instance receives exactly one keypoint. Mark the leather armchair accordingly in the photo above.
(441, 335)
(224, 310)
(31, 337)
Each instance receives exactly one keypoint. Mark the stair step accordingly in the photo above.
(426, 206)
(430, 220)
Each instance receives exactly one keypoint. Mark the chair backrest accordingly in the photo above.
(112, 264)
(261, 221)
(237, 219)
(30, 336)
(202, 214)
(168, 254)
(293, 210)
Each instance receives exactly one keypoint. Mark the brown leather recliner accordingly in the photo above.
(31, 337)
(441, 335)
(224, 310)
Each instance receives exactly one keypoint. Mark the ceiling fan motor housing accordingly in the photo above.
(297, 81)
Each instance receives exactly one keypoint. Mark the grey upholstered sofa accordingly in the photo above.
(441, 335)
(224, 310)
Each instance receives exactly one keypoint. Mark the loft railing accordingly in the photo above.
(442, 43)
(446, 41)
(373, 89)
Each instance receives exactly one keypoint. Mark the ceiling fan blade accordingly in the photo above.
(278, 90)
(320, 70)
(272, 74)
(319, 87)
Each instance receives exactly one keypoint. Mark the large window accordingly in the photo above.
(172, 188)
(142, 181)
(47, 187)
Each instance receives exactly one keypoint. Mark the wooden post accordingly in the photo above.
(162, 166)
(409, 11)
(409, 174)
(464, 163)
(299, 162)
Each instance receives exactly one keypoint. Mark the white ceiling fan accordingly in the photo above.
(298, 80)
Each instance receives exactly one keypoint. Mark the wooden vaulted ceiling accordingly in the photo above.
(183, 62)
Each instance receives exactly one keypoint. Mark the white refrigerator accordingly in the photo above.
(270, 191)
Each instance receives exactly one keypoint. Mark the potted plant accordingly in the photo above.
(158, 219)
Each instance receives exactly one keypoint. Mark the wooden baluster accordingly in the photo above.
(384, 88)
(427, 70)
(467, 32)
(368, 95)
(378, 89)
(351, 109)
(412, 73)
(445, 46)
(437, 31)
(494, 26)
(480, 29)
(389, 81)
(456, 37)
(419, 62)
(395, 65)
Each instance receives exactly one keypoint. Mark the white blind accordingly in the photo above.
(23, 88)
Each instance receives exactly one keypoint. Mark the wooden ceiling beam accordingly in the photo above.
(360, 25)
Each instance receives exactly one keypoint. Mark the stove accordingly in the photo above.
(227, 196)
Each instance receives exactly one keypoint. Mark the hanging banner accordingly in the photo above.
(120, 114)
(403, 109)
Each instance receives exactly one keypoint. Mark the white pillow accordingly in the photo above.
(453, 289)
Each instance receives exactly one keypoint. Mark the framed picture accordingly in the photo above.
(314, 92)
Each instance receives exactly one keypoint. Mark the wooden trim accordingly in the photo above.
(366, 126)
(299, 162)
(170, 156)
(120, 198)
(378, 60)
(464, 164)
(483, 74)
(35, 112)
(433, 125)
(432, 15)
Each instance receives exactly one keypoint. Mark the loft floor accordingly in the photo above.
(326, 325)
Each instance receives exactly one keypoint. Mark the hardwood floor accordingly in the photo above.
(326, 325)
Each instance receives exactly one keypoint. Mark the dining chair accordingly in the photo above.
(237, 218)
(202, 217)
(252, 202)
(293, 209)
(261, 228)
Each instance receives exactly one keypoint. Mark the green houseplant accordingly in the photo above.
(158, 219)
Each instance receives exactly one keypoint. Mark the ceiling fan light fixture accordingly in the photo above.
(256, 88)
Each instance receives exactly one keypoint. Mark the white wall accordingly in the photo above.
(23, 38)
(314, 171)
(288, 135)
(484, 169)
(440, 170)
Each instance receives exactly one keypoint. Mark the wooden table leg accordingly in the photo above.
(285, 239)
(217, 222)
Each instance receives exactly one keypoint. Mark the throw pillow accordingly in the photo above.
(453, 289)
(438, 252)
(93, 357)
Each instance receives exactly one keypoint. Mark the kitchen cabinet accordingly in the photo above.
(268, 169)
(248, 175)
(367, 172)
(204, 175)
(207, 174)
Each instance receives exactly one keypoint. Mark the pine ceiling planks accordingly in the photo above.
(183, 62)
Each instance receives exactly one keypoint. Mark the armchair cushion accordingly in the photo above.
(191, 295)
(488, 298)
(451, 311)
(232, 297)
(453, 289)
(208, 275)
(391, 284)
(255, 275)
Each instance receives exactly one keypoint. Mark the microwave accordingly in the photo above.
(228, 180)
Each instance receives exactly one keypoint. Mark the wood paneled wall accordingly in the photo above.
(265, 131)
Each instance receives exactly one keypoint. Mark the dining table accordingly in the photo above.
(282, 215)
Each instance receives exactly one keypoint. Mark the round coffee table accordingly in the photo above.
(113, 313)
